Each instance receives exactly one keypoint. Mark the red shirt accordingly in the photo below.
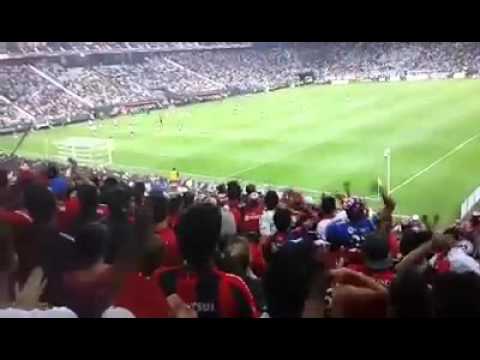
(26, 245)
(18, 220)
(442, 264)
(236, 211)
(273, 243)
(142, 297)
(251, 219)
(211, 293)
(173, 221)
(67, 213)
(394, 243)
(172, 256)
(384, 277)
(257, 263)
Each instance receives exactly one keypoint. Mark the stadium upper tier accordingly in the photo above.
(52, 48)
(46, 91)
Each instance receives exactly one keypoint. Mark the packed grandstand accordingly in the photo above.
(84, 242)
(51, 88)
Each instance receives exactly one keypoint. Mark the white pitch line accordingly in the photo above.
(263, 163)
(436, 162)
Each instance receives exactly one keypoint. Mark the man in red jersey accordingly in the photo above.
(210, 292)
(252, 213)
(377, 262)
(234, 193)
(283, 221)
(164, 232)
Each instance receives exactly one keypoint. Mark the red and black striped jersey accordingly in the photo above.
(211, 293)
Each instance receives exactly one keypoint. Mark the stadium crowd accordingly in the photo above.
(80, 242)
(38, 48)
(77, 242)
(225, 71)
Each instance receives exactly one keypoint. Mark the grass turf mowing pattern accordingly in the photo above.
(314, 137)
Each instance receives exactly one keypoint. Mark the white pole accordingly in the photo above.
(388, 158)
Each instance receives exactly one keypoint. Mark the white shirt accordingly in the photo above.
(323, 224)
(267, 226)
(459, 261)
(54, 313)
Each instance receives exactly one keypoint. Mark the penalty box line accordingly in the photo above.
(435, 163)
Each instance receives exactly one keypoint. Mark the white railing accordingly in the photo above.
(470, 202)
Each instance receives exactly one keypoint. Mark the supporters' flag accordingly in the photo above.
(388, 152)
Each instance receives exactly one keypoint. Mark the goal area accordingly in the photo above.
(86, 151)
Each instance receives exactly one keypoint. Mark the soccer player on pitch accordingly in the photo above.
(131, 130)
(160, 121)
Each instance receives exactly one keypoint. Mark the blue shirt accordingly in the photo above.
(349, 234)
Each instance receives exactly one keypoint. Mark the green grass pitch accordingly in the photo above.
(315, 138)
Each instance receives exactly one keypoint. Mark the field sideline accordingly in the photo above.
(314, 138)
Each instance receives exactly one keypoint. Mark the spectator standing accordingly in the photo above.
(267, 226)
(350, 233)
(168, 238)
(329, 214)
(207, 290)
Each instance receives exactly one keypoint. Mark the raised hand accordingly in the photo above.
(180, 309)
(28, 297)
(388, 201)
(347, 188)
(431, 225)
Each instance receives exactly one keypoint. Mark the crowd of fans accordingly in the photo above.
(36, 95)
(231, 71)
(249, 70)
(85, 47)
(395, 58)
(78, 242)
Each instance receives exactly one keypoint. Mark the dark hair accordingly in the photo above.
(109, 184)
(234, 190)
(456, 295)
(118, 199)
(175, 204)
(139, 192)
(188, 199)
(221, 189)
(110, 181)
(52, 171)
(412, 239)
(3, 178)
(88, 198)
(160, 208)
(250, 188)
(410, 296)
(90, 244)
(271, 200)
(328, 205)
(199, 234)
(288, 280)
(282, 219)
(40, 203)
